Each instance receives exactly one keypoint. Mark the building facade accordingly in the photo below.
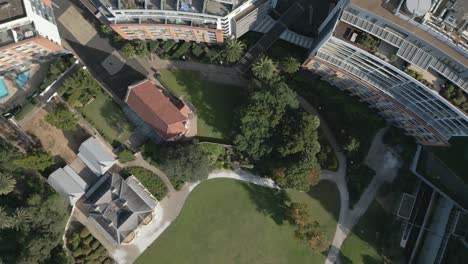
(393, 66)
(210, 21)
(28, 33)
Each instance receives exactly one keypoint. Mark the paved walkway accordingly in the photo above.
(166, 211)
(141, 162)
(380, 158)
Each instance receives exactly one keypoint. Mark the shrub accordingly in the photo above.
(126, 156)
(84, 233)
(94, 244)
(167, 46)
(182, 50)
(197, 50)
(88, 240)
(63, 119)
(150, 180)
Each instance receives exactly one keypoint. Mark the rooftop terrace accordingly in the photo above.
(17, 34)
(376, 7)
(11, 10)
(212, 7)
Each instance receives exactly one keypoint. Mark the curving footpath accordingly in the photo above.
(169, 208)
(380, 158)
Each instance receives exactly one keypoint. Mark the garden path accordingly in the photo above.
(380, 158)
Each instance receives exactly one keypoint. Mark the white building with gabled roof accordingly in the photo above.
(96, 156)
(68, 183)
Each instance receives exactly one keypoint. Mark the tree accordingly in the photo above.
(182, 161)
(129, 51)
(234, 50)
(7, 184)
(62, 118)
(259, 116)
(39, 160)
(307, 230)
(297, 133)
(80, 88)
(263, 68)
(352, 145)
(290, 65)
(141, 49)
(21, 218)
(5, 219)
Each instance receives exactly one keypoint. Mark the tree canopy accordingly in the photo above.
(234, 50)
(290, 65)
(32, 217)
(280, 137)
(7, 184)
(263, 68)
(180, 161)
(39, 160)
(62, 118)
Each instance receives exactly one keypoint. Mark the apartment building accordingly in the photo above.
(28, 33)
(210, 21)
(394, 66)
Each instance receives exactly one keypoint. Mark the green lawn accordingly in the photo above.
(227, 221)
(374, 232)
(214, 102)
(108, 118)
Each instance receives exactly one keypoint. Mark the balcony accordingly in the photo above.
(17, 34)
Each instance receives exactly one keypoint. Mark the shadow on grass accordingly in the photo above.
(215, 103)
(327, 194)
(270, 202)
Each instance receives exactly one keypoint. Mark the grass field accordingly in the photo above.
(375, 232)
(108, 118)
(214, 102)
(227, 221)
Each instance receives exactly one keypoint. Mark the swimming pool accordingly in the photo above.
(3, 89)
(22, 78)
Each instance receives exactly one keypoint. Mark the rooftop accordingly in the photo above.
(153, 106)
(96, 156)
(117, 206)
(375, 7)
(11, 10)
(212, 7)
(68, 183)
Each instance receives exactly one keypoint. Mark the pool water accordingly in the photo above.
(22, 78)
(3, 89)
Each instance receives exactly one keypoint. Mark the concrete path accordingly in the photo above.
(141, 162)
(166, 211)
(380, 158)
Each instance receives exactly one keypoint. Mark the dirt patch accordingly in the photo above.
(60, 143)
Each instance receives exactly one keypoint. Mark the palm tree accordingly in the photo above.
(290, 65)
(21, 217)
(263, 68)
(234, 50)
(7, 184)
(5, 219)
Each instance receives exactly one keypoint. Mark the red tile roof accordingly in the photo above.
(155, 108)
